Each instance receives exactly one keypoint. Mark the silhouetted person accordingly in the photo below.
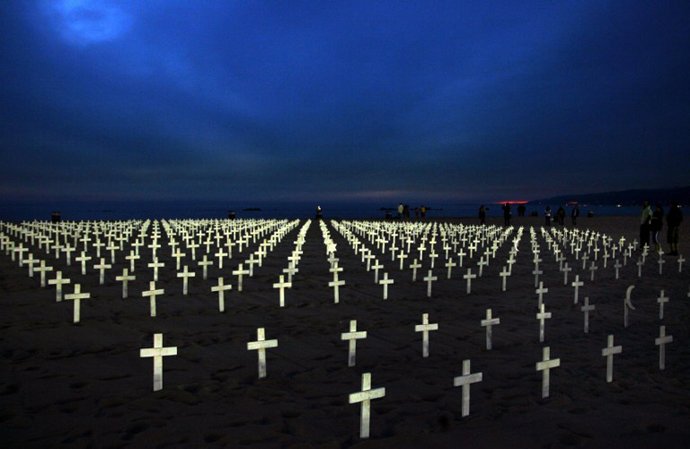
(521, 210)
(416, 212)
(574, 214)
(655, 225)
(319, 213)
(645, 219)
(406, 211)
(560, 215)
(400, 211)
(547, 216)
(673, 220)
(482, 215)
(422, 210)
(506, 214)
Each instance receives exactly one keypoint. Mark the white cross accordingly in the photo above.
(401, 257)
(536, 272)
(577, 283)
(639, 264)
(661, 263)
(152, 292)
(425, 327)
(540, 291)
(204, 263)
(662, 300)
(429, 279)
(617, 267)
(376, 267)
(132, 257)
(592, 269)
(221, 288)
(469, 276)
(42, 268)
(185, 275)
(57, 282)
(239, 273)
(433, 257)
(488, 323)
(541, 316)
(414, 265)
(101, 268)
(504, 274)
(352, 338)
(661, 341)
(124, 278)
(465, 381)
(155, 265)
(545, 366)
(481, 264)
(336, 284)
(586, 309)
(77, 296)
(609, 351)
(386, 282)
(158, 352)
(282, 285)
(365, 396)
(83, 258)
(566, 270)
(450, 264)
(220, 255)
(260, 345)
(178, 255)
(627, 304)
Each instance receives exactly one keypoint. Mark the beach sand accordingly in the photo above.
(84, 385)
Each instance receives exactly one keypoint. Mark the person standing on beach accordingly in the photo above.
(400, 211)
(560, 215)
(423, 211)
(574, 214)
(655, 225)
(482, 215)
(673, 220)
(506, 214)
(645, 218)
(406, 211)
(416, 212)
(547, 216)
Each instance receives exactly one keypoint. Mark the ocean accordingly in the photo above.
(129, 210)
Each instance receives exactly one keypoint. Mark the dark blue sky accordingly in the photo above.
(384, 100)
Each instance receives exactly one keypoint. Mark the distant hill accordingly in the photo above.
(624, 198)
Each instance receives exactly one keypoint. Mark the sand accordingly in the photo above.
(84, 384)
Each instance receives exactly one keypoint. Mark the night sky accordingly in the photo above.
(322, 100)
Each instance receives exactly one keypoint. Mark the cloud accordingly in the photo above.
(87, 22)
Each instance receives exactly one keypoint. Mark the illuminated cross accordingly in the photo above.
(425, 327)
(125, 278)
(282, 285)
(58, 282)
(545, 366)
(260, 345)
(429, 279)
(661, 342)
(152, 292)
(77, 296)
(662, 300)
(42, 268)
(577, 283)
(586, 309)
(158, 352)
(185, 275)
(465, 381)
(609, 351)
(352, 338)
(221, 288)
(469, 276)
(414, 266)
(365, 396)
(488, 323)
(541, 316)
(386, 282)
(101, 268)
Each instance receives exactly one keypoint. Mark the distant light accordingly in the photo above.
(511, 202)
